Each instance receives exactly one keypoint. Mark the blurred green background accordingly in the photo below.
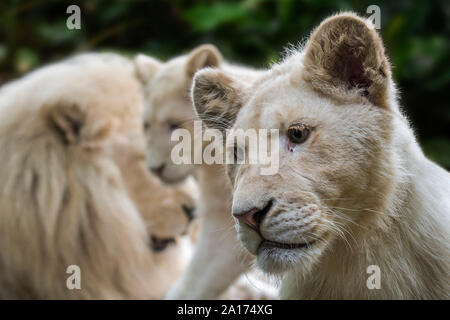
(253, 32)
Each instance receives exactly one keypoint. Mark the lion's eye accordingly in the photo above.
(146, 126)
(298, 133)
(173, 126)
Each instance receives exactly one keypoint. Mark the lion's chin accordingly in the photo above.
(274, 257)
(249, 238)
(277, 260)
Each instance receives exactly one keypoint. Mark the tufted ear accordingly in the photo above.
(146, 67)
(67, 121)
(345, 56)
(217, 98)
(201, 57)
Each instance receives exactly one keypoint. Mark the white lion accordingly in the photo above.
(217, 260)
(75, 190)
(354, 192)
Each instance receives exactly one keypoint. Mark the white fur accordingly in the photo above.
(218, 259)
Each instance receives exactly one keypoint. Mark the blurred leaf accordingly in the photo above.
(423, 55)
(57, 32)
(285, 10)
(3, 52)
(25, 60)
(439, 82)
(207, 17)
(394, 28)
(438, 150)
(113, 12)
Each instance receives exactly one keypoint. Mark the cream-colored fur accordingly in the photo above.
(73, 186)
(217, 260)
(356, 192)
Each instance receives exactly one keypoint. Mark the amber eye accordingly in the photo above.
(298, 133)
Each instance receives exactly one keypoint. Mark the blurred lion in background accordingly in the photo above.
(169, 107)
(74, 188)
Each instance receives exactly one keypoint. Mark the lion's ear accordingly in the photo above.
(146, 67)
(345, 55)
(217, 98)
(201, 57)
(67, 121)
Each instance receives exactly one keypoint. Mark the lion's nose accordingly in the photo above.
(254, 216)
(157, 170)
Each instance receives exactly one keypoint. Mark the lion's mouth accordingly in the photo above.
(267, 244)
(275, 257)
(171, 181)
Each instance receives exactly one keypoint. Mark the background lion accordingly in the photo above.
(218, 261)
(72, 182)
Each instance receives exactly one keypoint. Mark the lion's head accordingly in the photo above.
(168, 106)
(330, 105)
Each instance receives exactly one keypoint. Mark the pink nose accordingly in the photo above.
(254, 216)
(248, 218)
